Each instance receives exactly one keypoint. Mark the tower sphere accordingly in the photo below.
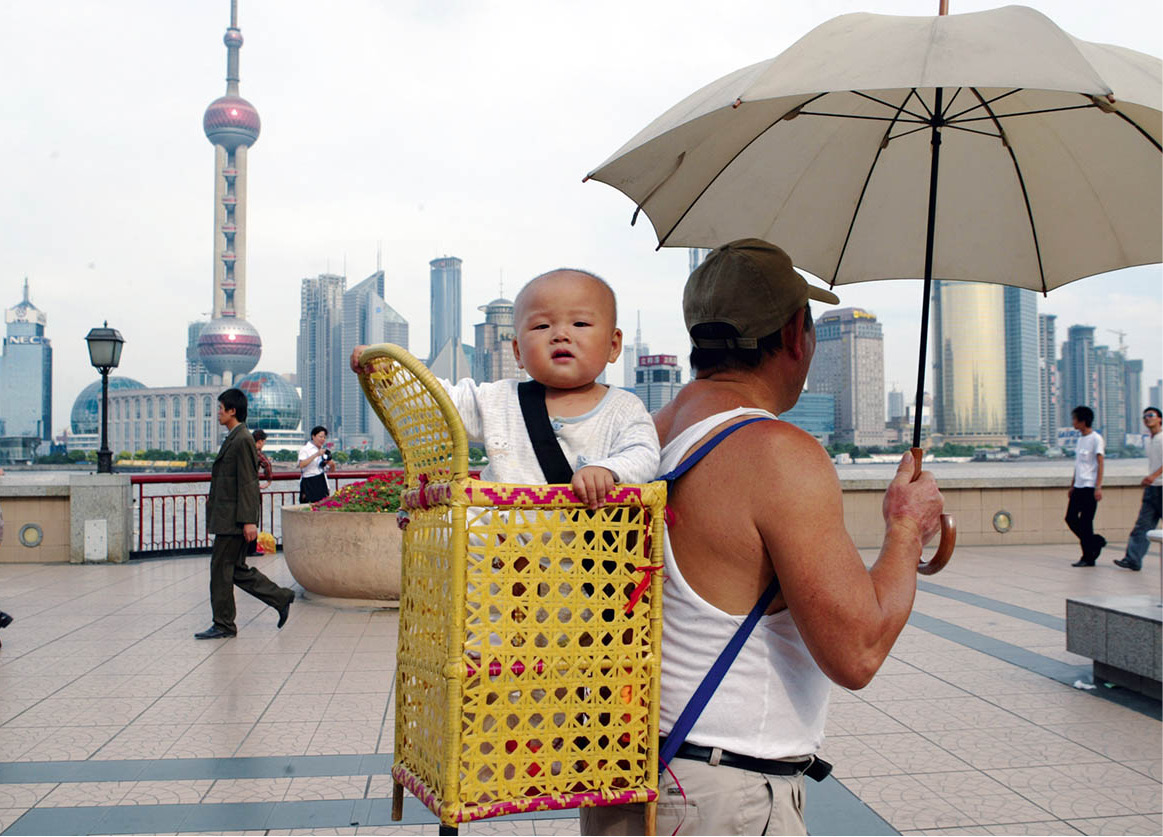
(274, 404)
(86, 413)
(228, 344)
(232, 38)
(231, 121)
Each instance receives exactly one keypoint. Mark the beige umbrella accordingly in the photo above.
(989, 147)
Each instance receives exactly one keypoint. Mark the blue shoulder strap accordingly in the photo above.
(702, 696)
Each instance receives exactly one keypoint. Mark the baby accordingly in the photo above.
(565, 335)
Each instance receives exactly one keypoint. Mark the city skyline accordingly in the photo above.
(321, 199)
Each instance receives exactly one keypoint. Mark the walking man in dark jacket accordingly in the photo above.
(232, 512)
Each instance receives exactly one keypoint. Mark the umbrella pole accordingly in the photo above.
(948, 528)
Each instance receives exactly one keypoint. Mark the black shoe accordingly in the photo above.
(284, 612)
(1126, 565)
(1082, 562)
(213, 632)
(1101, 544)
(5, 619)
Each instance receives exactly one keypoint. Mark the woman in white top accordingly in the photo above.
(313, 459)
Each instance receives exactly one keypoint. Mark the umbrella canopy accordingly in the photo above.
(1050, 165)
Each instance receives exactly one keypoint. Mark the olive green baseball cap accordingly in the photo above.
(750, 285)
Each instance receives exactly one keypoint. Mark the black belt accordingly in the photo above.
(813, 768)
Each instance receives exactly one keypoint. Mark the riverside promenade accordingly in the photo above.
(113, 719)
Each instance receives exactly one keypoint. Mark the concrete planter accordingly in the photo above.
(344, 555)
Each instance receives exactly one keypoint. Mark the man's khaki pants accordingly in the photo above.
(719, 800)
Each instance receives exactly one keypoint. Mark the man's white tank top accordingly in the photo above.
(773, 701)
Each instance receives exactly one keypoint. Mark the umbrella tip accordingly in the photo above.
(586, 179)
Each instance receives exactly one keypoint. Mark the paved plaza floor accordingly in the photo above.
(113, 719)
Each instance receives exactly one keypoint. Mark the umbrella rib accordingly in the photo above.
(997, 98)
(796, 111)
(974, 131)
(1022, 184)
(924, 127)
(1140, 129)
(917, 121)
(867, 179)
(893, 107)
(996, 116)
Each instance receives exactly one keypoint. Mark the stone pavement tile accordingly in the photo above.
(401, 830)
(343, 737)
(149, 684)
(943, 831)
(51, 711)
(1065, 791)
(1120, 825)
(1035, 828)
(9, 816)
(380, 786)
(315, 831)
(141, 741)
(1062, 706)
(499, 825)
(329, 641)
(907, 804)
(1148, 767)
(95, 686)
(326, 787)
(247, 790)
(966, 712)
(569, 826)
(311, 682)
(78, 794)
(115, 711)
(851, 756)
(35, 687)
(277, 739)
(387, 742)
(167, 793)
(200, 683)
(234, 708)
(175, 710)
(365, 681)
(374, 660)
(891, 687)
(1012, 746)
(857, 718)
(964, 659)
(375, 644)
(1130, 738)
(1137, 799)
(208, 741)
(911, 752)
(70, 743)
(323, 661)
(365, 706)
(24, 796)
(1012, 680)
(297, 707)
(281, 663)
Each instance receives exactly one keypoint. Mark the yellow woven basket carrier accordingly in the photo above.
(530, 627)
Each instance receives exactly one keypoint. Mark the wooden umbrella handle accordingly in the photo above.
(948, 530)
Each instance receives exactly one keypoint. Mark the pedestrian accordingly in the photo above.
(265, 469)
(758, 525)
(314, 458)
(1085, 490)
(232, 512)
(1151, 509)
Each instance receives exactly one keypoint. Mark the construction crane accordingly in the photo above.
(1122, 340)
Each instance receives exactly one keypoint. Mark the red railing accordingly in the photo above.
(169, 510)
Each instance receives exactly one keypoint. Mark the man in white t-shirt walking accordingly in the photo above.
(1152, 507)
(1086, 488)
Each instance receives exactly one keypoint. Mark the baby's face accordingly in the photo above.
(565, 330)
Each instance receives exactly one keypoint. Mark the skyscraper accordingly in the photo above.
(658, 379)
(1023, 401)
(493, 358)
(630, 354)
(1154, 397)
(1079, 378)
(1049, 393)
(1110, 407)
(229, 346)
(849, 364)
(969, 363)
(196, 373)
(26, 373)
(1133, 388)
(445, 294)
(697, 254)
(320, 364)
(896, 404)
(367, 319)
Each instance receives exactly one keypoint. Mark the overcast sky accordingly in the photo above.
(434, 127)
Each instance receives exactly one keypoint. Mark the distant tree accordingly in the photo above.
(1034, 448)
(374, 455)
(356, 455)
(284, 456)
(393, 456)
(340, 456)
(124, 455)
(78, 456)
(90, 456)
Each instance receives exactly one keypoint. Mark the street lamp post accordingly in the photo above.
(104, 353)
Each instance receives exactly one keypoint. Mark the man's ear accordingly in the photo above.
(615, 346)
(793, 334)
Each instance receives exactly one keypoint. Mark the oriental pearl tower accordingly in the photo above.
(229, 346)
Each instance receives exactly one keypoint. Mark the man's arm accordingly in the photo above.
(246, 476)
(1098, 478)
(848, 615)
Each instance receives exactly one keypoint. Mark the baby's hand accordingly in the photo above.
(591, 485)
